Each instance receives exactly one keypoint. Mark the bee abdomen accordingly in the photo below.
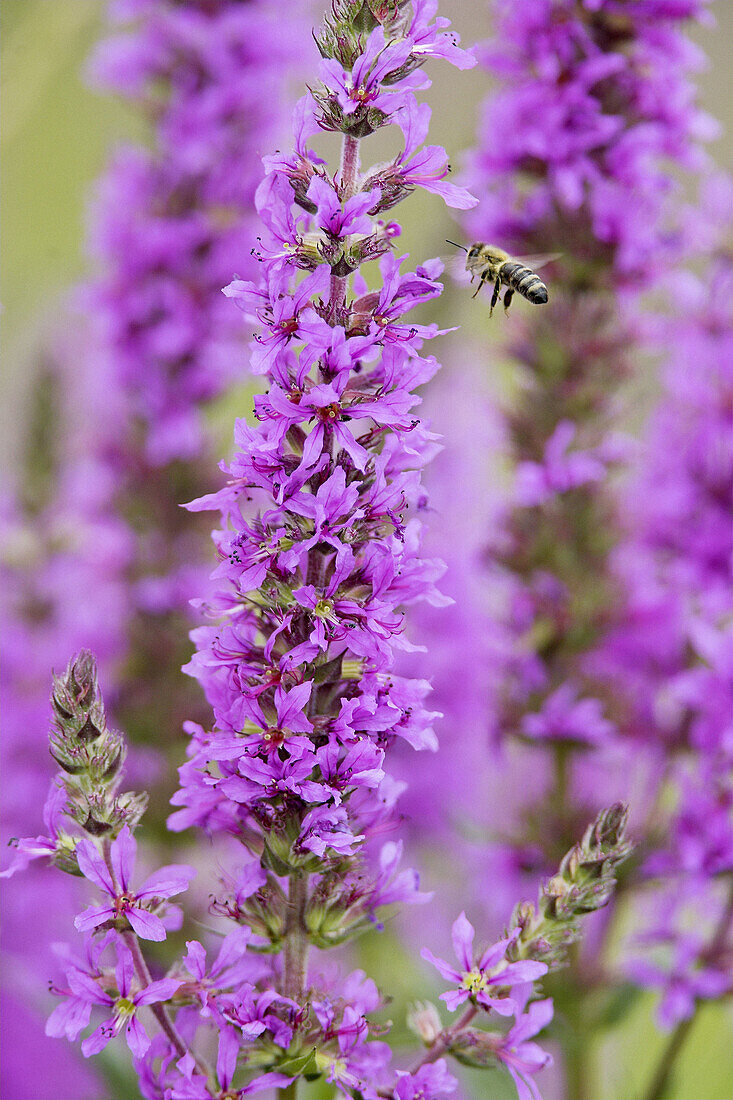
(525, 282)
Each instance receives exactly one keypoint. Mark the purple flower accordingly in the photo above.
(194, 1086)
(250, 1011)
(560, 471)
(341, 219)
(426, 167)
(124, 1005)
(564, 717)
(490, 974)
(328, 828)
(431, 1082)
(30, 848)
(685, 984)
(115, 879)
(522, 1057)
(228, 970)
(363, 87)
(73, 1014)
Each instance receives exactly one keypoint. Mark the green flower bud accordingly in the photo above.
(474, 1047)
(585, 882)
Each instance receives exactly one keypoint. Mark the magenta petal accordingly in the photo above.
(123, 852)
(69, 1019)
(161, 990)
(167, 882)
(232, 949)
(462, 935)
(92, 917)
(93, 867)
(526, 1088)
(125, 970)
(504, 1006)
(226, 1062)
(493, 954)
(454, 998)
(444, 969)
(147, 925)
(137, 1038)
(87, 989)
(195, 960)
(267, 1080)
(527, 971)
(98, 1039)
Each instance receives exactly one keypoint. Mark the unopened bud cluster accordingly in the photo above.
(585, 881)
(89, 753)
(344, 31)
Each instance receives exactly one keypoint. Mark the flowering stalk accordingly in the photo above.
(536, 942)
(671, 643)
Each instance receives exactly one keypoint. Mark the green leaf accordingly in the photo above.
(301, 1065)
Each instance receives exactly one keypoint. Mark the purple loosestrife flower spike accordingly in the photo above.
(318, 560)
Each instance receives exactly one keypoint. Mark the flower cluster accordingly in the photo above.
(318, 560)
(171, 224)
(259, 1015)
(305, 658)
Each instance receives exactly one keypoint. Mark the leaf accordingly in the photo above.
(302, 1064)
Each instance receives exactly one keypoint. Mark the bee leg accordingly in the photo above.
(481, 281)
(508, 299)
(495, 296)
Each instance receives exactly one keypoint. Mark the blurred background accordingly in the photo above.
(56, 136)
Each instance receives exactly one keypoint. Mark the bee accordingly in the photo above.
(494, 265)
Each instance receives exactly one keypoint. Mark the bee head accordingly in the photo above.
(474, 250)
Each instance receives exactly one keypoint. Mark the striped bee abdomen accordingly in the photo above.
(524, 281)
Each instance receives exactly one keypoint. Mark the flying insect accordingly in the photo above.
(494, 265)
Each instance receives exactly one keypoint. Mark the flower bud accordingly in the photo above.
(333, 913)
(585, 882)
(265, 913)
(473, 1047)
(423, 1020)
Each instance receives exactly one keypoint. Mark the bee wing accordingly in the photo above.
(456, 267)
(534, 263)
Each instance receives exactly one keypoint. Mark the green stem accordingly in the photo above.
(295, 948)
(677, 1039)
(659, 1083)
(562, 777)
(295, 951)
(347, 178)
(577, 1066)
(295, 955)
